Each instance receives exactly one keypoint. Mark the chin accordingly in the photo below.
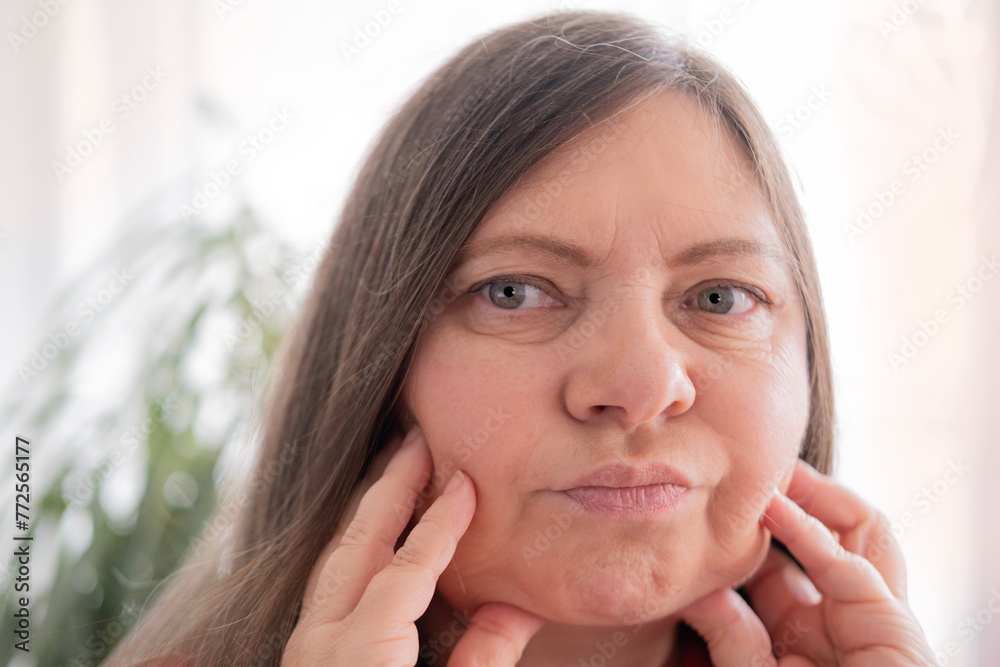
(614, 583)
(620, 587)
(608, 589)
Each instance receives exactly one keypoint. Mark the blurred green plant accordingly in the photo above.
(122, 484)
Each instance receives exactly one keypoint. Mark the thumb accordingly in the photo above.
(497, 635)
(734, 634)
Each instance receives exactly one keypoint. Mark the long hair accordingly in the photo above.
(468, 134)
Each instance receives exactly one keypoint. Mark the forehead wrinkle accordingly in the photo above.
(695, 209)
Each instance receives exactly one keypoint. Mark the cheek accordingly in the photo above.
(476, 425)
(760, 408)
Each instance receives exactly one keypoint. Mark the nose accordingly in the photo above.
(627, 369)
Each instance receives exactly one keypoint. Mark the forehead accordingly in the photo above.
(662, 171)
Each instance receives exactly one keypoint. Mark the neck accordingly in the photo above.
(650, 644)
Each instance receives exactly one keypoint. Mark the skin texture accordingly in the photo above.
(617, 364)
(569, 368)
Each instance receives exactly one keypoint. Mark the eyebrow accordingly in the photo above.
(568, 254)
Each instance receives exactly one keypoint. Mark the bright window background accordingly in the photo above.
(864, 95)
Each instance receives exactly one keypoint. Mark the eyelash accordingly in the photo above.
(522, 280)
(754, 292)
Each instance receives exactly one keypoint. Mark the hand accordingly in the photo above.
(362, 599)
(849, 606)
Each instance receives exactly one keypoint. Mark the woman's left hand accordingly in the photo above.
(849, 606)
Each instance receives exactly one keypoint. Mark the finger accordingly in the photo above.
(734, 634)
(778, 589)
(497, 635)
(796, 661)
(400, 593)
(836, 572)
(381, 461)
(366, 547)
(788, 605)
(837, 507)
(862, 529)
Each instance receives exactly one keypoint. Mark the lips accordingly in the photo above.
(621, 476)
(622, 489)
(643, 499)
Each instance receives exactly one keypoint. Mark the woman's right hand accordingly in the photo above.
(363, 599)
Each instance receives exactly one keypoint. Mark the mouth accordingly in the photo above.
(618, 489)
(614, 500)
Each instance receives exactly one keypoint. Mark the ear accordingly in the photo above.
(403, 416)
(786, 477)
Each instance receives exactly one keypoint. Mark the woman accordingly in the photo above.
(570, 322)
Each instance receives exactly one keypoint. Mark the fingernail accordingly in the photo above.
(454, 482)
(774, 493)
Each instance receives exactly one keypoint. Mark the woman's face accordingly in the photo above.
(632, 385)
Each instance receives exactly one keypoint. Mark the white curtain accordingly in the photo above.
(889, 113)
